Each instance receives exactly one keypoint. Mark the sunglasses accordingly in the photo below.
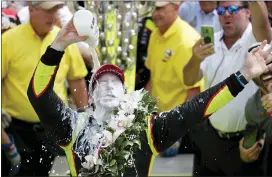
(233, 9)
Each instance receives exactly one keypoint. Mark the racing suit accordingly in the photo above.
(163, 129)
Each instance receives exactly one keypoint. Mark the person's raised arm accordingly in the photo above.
(192, 72)
(167, 127)
(48, 106)
(260, 22)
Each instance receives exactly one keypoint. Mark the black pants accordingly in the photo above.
(36, 159)
(215, 156)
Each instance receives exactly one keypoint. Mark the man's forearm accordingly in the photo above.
(260, 23)
(79, 92)
(4, 137)
(192, 72)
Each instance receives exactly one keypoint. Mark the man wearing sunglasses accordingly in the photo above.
(224, 129)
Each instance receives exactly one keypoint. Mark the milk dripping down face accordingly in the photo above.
(108, 91)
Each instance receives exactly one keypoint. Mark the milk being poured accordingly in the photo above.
(86, 25)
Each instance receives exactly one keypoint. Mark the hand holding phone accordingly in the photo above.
(251, 154)
(204, 47)
(252, 135)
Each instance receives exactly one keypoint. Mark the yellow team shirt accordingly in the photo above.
(21, 52)
(167, 56)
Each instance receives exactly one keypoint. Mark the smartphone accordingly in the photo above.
(207, 33)
(250, 139)
(252, 134)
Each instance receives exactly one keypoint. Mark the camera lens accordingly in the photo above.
(207, 40)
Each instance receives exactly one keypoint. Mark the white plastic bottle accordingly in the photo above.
(86, 25)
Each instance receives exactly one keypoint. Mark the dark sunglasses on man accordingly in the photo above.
(233, 9)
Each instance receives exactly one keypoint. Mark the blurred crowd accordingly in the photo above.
(172, 62)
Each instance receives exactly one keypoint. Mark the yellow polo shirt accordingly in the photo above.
(167, 56)
(21, 52)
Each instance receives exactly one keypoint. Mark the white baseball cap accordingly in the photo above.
(48, 4)
(163, 3)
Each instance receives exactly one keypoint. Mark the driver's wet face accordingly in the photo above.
(108, 91)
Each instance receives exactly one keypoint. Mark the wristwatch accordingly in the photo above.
(242, 80)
